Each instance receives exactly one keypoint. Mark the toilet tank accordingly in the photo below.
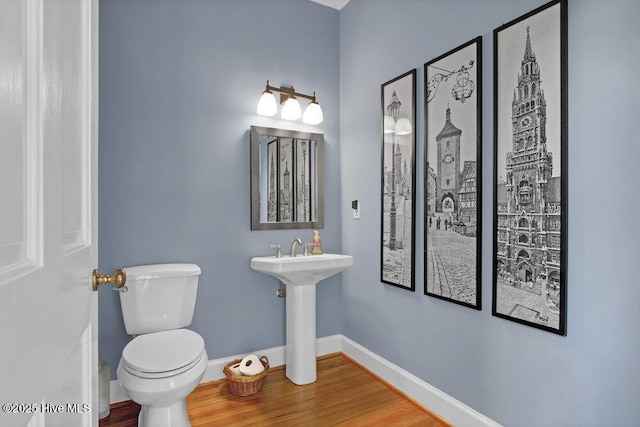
(159, 297)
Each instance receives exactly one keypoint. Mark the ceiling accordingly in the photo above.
(336, 4)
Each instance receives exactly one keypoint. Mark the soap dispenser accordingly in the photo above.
(317, 246)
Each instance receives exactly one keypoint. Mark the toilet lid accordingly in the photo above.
(163, 353)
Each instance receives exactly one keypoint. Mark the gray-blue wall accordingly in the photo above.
(517, 375)
(179, 85)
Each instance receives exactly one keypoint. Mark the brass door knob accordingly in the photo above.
(119, 278)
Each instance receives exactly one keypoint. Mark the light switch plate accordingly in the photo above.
(355, 206)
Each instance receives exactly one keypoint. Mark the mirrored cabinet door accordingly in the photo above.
(286, 179)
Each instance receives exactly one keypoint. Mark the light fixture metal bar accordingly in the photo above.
(287, 92)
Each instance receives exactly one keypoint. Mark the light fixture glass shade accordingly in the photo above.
(403, 126)
(389, 124)
(267, 106)
(291, 109)
(313, 114)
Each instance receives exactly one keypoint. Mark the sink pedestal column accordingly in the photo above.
(300, 276)
(301, 333)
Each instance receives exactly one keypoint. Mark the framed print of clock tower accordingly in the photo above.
(530, 179)
(453, 175)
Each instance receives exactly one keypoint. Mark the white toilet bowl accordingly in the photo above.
(158, 371)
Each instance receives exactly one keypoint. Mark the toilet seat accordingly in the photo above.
(163, 354)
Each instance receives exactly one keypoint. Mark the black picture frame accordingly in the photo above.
(530, 174)
(453, 175)
(397, 237)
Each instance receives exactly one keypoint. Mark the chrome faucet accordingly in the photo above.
(295, 241)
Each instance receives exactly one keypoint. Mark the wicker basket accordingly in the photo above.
(242, 385)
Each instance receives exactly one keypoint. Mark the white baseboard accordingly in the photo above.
(422, 392)
(452, 410)
(276, 356)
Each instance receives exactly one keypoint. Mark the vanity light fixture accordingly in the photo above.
(291, 110)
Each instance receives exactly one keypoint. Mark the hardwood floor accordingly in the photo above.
(345, 394)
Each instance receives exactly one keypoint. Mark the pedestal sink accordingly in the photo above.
(301, 274)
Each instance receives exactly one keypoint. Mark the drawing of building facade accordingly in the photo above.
(529, 199)
(452, 189)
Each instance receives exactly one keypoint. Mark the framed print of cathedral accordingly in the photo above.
(530, 179)
(453, 175)
(398, 181)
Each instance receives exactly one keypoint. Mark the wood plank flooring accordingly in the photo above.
(345, 394)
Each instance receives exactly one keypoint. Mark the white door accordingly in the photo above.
(48, 212)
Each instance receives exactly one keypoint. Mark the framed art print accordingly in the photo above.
(398, 181)
(453, 175)
(530, 179)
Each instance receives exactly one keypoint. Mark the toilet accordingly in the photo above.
(164, 362)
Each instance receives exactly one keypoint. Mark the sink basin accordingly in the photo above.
(302, 270)
(301, 274)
